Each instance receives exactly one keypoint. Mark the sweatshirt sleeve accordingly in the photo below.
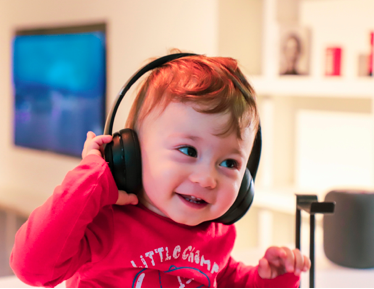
(238, 275)
(60, 235)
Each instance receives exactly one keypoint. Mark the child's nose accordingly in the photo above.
(204, 176)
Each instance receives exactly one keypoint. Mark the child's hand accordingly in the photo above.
(278, 261)
(94, 144)
(126, 199)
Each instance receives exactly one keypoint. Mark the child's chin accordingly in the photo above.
(187, 221)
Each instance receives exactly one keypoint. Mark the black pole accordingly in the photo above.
(311, 250)
(298, 232)
(298, 228)
(310, 204)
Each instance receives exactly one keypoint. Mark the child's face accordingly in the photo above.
(190, 175)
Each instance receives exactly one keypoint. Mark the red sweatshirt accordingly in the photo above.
(80, 235)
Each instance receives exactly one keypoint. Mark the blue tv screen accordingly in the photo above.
(59, 78)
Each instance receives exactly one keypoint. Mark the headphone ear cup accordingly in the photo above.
(124, 160)
(242, 203)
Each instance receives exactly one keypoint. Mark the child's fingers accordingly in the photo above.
(93, 144)
(126, 199)
(299, 262)
(264, 269)
(288, 260)
(98, 141)
(102, 151)
(275, 256)
(102, 139)
(283, 260)
(307, 263)
(90, 135)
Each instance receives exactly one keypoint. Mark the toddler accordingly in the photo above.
(196, 131)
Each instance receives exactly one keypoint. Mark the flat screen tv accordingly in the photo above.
(59, 84)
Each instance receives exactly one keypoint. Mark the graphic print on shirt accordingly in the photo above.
(150, 278)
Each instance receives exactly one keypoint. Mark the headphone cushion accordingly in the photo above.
(242, 203)
(124, 159)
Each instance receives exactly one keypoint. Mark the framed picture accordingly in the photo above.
(294, 50)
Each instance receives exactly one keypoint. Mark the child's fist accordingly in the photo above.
(278, 261)
(94, 144)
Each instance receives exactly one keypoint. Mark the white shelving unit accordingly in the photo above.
(277, 96)
(304, 86)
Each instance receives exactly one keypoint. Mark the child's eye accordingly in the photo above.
(231, 164)
(189, 151)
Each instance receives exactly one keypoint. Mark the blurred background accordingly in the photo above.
(310, 62)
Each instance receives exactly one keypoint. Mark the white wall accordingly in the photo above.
(240, 32)
(136, 31)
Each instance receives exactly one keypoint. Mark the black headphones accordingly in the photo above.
(124, 159)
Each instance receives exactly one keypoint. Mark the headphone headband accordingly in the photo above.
(152, 65)
(254, 158)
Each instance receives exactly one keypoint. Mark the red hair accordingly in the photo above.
(211, 84)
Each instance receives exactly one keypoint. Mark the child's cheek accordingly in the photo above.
(161, 171)
(173, 176)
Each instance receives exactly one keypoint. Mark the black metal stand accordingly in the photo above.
(310, 204)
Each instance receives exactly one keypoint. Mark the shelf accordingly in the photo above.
(304, 86)
(281, 200)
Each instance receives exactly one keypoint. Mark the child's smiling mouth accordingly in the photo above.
(192, 201)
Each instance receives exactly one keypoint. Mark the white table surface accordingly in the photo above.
(14, 282)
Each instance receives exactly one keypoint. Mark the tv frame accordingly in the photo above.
(65, 29)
